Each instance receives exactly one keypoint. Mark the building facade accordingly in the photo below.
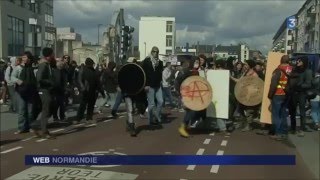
(240, 52)
(284, 38)
(67, 40)
(308, 27)
(25, 25)
(157, 31)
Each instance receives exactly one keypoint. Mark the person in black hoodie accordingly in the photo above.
(153, 68)
(89, 86)
(300, 82)
(45, 86)
(60, 83)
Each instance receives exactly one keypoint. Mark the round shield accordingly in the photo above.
(196, 93)
(249, 90)
(131, 79)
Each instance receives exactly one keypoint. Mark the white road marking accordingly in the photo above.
(111, 150)
(41, 140)
(215, 168)
(167, 153)
(108, 120)
(212, 134)
(192, 167)
(200, 151)
(10, 150)
(55, 149)
(91, 125)
(206, 141)
(57, 130)
(224, 143)
(227, 136)
(27, 139)
(183, 179)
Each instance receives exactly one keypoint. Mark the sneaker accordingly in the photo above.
(36, 133)
(107, 105)
(21, 131)
(1, 101)
(194, 125)
(48, 136)
(183, 132)
(300, 134)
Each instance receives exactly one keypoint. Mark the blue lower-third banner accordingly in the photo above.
(160, 160)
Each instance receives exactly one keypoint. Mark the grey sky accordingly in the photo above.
(210, 22)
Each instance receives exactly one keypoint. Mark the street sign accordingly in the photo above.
(291, 22)
(69, 173)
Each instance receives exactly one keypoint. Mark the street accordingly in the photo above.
(109, 137)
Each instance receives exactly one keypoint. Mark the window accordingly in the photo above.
(21, 3)
(168, 52)
(169, 26)
(48, 20)
(16, 36)
(49, 9)
(34, 7)
(169, 41)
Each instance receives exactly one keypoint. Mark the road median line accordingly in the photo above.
(10, 150)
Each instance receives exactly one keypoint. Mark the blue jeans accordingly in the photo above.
(167, 94)
(152, 95)
(221, 123)
(315, 111)
(25, 113)
(117, 102)
(279, 114)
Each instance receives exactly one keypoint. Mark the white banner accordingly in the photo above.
(219, 81)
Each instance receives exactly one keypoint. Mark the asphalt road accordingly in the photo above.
(109, 137)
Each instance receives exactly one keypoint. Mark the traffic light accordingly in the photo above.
(126, 37)
(126, 40)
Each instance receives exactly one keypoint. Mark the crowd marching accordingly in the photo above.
(39, 89)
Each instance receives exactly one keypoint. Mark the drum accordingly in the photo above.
(131, 79)
(196, 93)
(249, 90)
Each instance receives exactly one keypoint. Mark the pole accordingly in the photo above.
(99, 33)
(145, 49)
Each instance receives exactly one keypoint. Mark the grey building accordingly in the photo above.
(25, 25)
(308, 27)
(283, 39)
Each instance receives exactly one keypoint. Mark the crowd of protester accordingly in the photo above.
(41, 88)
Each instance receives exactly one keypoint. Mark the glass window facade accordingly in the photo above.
(15, 36)
(169, 41)
(169, 26)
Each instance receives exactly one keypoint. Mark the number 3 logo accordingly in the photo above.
(292, 22)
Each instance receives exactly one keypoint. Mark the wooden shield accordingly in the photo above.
(249, 90)
(196, 93)
(131, 79)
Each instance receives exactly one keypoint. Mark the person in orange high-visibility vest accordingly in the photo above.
(279, 101)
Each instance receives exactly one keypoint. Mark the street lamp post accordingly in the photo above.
(99, 33)
(145, 49)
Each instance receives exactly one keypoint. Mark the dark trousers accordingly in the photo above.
(297, 98)
(59, 104)
(42, 121)
(87, 102)
(189, 116)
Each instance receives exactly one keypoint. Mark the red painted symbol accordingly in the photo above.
(193, 90)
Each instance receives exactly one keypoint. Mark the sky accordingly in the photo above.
(225, 22)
